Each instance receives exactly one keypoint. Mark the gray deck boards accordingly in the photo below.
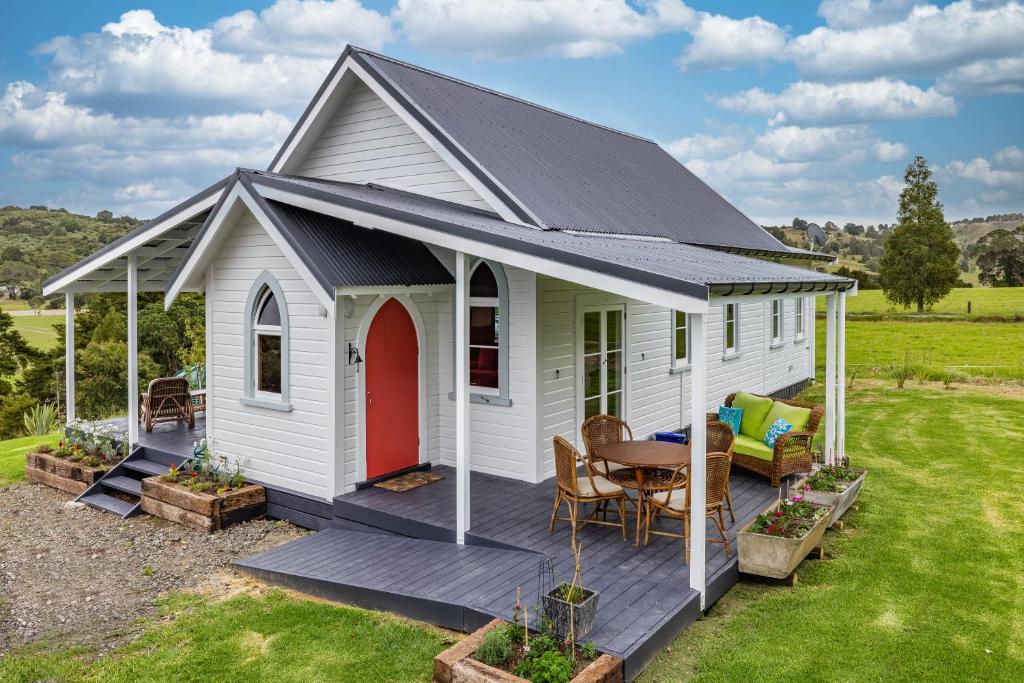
(170, 437)
(645, 595)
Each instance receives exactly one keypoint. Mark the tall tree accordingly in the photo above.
(920, 264)
(1000, 256)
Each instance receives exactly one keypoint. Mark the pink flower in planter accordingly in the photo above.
(797, 499)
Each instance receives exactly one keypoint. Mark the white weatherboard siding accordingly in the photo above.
(657, 399)
(366, 141)
(283, 449)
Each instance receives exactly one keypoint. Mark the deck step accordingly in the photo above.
(125, 484)
(104, 502)
(148, 467)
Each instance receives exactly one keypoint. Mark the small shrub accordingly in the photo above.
(496, 648)
(589, 650)
(549, 667)
(40, 420)
(148, 570)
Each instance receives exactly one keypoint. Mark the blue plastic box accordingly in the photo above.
(671, 437)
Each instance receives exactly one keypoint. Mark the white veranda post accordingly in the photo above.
(830, 380)
(69, 356)
(698, 452)
(133, 350)
(841, 380)
(461, 396)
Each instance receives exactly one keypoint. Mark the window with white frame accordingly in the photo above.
(267, 345)
(680, 340)
(777, 310)
(798, 319)
(731, 332)
(488, 334)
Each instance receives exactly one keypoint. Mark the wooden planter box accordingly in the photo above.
(456, 665)
(202, 511)
(73, 477)
(774, 556)
(840, 502)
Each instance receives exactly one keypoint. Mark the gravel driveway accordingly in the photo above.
(82, 575)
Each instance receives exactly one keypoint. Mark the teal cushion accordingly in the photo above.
(731, 416)
(755, 409)
(794, 415)
(778, 428)
(748, 445)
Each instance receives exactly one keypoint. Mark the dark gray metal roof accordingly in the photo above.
(342, 255)
(107, 248)
(570, 174)
(681, 268)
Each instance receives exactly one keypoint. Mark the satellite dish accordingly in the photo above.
(816, 236)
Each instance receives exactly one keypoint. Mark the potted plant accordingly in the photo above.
(778, 540)
(203, 494)
(569, 607)
(77, 461)
(835, 486)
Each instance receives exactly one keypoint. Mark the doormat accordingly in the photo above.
(408, 482)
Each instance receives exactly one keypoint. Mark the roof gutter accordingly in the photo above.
(745, 251)
(754, 288)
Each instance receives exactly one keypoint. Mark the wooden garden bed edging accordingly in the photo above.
(841, 501)
(456, 665)
(776, 556)
(60, 473)
(201, 511)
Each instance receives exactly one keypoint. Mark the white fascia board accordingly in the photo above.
(201, 254)
(391, 289)
(536, 264)
(357, 71)
(142, 238)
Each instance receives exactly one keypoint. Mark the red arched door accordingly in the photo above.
(392, 391)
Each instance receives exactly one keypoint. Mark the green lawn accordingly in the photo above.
(925, 582)
(979, 349)
(12, 456)
(14, 305)
(38, 329)
(247, 638)
(985, 301)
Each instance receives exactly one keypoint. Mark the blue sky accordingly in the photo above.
(787, 108)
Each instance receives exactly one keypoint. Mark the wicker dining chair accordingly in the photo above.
(602, 430)
(675, 503)
(573, 489)
(720, 439)
(167, 399)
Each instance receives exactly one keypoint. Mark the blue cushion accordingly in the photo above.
(778, 428)
(731, 416)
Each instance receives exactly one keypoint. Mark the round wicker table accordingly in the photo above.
(649, 468)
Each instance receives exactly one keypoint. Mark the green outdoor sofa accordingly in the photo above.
(792, 451)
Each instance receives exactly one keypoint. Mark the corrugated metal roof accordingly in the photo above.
(341, 254)
(672, 266)
(571, 174)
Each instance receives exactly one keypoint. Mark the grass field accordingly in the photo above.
(12, 456)
(276, 637)
(38, 329)
(14, 305)
(924, 583)
(994, 350)
(985, 301)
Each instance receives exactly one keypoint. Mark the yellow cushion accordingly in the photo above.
(794, 415)
(606, 467)
(755, 409)
(602, 485)
(748, 445)
(677, 502)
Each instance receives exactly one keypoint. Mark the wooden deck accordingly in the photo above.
(170, 437)
(404, 560)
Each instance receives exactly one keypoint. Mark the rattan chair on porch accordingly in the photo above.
(601, 430)
(675, 503)
(720, 439)
(573, 489)
(167, 399)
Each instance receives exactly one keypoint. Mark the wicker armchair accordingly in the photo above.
(675, 503)
(167, 399)
(720, 439)
(573, 489)
(792, 453)
(601, 430)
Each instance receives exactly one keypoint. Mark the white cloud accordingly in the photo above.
(890, 151)
(846, 14)
(720, 42)
(506, 29)
(1010, 156)
(929, 41)
(747, 165)
(983, 171)
(705, 145)
(855, 102)
(302, 27)
(987, 77)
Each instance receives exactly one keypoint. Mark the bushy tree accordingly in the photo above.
(101, 371)
(1000, 256)
(920, 264)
